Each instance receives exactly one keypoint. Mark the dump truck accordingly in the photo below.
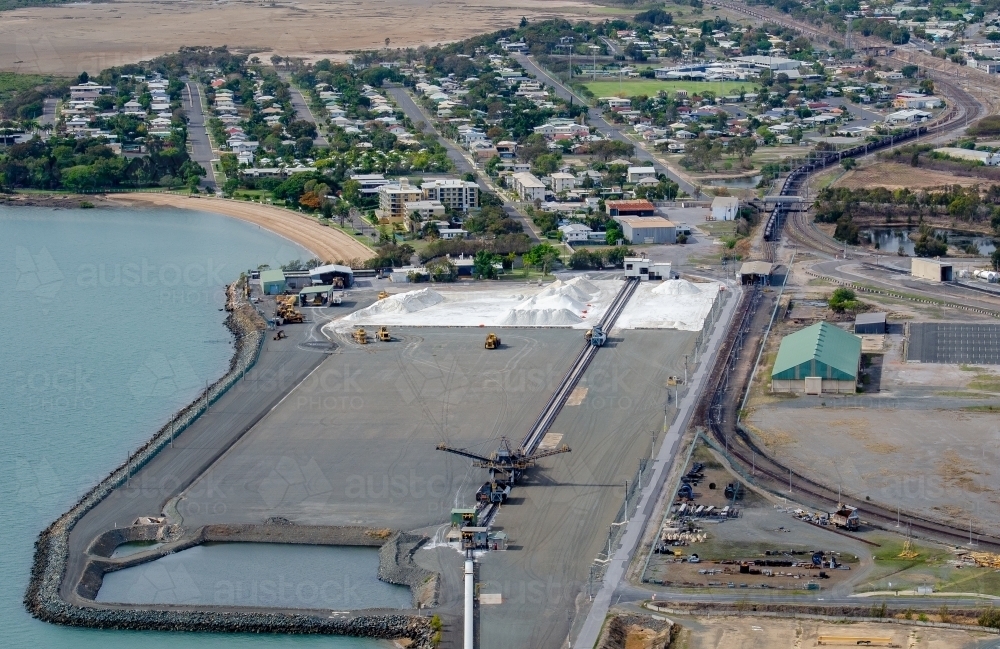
(383, 334)
(361, 336)
(492, 342)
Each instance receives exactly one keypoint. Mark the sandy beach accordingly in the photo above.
(327, 244)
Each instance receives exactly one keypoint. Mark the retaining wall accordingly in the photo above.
(42, 598)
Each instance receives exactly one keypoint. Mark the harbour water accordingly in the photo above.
(112, 322)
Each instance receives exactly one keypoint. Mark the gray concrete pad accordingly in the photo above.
(354, 444)
(558, 519)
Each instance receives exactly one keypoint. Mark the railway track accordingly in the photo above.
(718, 408)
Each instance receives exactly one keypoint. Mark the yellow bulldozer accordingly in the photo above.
(492, 342)
(361, 336)
(286, 311)
(383, 294)
(383, 334)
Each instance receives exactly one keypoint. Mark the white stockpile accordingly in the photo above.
(672, 304)
(576, 303)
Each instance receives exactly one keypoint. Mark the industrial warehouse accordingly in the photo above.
(821, 358)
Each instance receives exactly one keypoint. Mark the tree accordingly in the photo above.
(543, 256)
(844, 299)
(483, 265)
(613, 235)
(351, 192)
(523, 23)
(910, 71)
(927, 87)
(995, 259)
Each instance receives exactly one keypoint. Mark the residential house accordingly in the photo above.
(562, 182)
(635, 174)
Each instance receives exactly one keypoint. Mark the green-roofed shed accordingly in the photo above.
(272, 282)
(819, 358)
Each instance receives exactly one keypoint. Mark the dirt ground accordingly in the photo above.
(755, 632)
(328, 244)
(68, 39)
(896, 176)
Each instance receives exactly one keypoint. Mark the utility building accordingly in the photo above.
(272, 282)
(870, 323)
(932, 269)
(820, 358)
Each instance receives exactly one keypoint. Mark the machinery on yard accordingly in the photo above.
(383, 334)
(505, 466)
(383, 294)
(360, 336)
(492, 342)
(286, 311)
(596, 336)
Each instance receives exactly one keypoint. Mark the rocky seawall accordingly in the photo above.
(42, 598)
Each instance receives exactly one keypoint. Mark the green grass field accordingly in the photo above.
(12, 82)
(650, 87)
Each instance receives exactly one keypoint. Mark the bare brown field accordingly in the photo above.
(68, 39)
(328, 244)
(893, 175)
(752, 632)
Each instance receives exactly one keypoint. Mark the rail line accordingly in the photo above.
(718, 406)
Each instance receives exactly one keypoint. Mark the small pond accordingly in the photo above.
(747, 182)
(277, 575)
(890, 239)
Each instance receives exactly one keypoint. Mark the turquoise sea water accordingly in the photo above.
(111, 323)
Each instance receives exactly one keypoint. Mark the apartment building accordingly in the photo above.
(459, 195)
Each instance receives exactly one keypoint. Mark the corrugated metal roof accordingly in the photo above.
(870, 318)
(268, 276)
(756, 268)
(312, 290)
(822, 342)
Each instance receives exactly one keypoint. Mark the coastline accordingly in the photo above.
(327, 244)
(43, 598)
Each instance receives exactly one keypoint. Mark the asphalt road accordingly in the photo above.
(596, 118)
(201, 149)
(48, 111)
(636, 526)
(302, 110)
(456, 155)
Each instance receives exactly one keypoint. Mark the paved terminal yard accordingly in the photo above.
(558, 521)
(354, 444)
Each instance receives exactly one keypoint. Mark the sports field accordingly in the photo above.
(650, 87)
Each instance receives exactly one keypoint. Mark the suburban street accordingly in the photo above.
(48, 111)
(595, 117)
(457, 156)
(201, 149)
(302, 109)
